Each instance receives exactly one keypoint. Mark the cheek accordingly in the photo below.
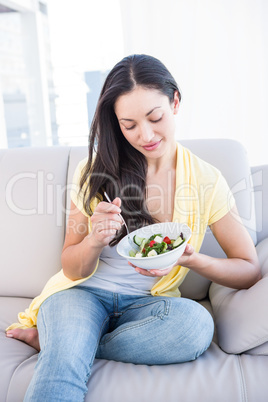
(130, 138)
(170, 125)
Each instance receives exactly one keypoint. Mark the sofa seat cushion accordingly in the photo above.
(15, 355)
(115, 381)
(186, 381)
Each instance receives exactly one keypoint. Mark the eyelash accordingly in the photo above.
(153, 121)
(156, 121)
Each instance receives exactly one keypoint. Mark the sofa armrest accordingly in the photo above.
(241, 316)
(259, 176)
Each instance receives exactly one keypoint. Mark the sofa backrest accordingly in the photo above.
(32, 220)
(260, 183)
(36, 184)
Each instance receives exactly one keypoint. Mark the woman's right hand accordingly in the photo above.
(82, 248)
(105, 222)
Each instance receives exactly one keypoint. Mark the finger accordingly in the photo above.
(104, 225)
(160, 272)
(104, 206)
(98, 217)
(104, 237)
(189, 250)
(117, 202)
(107, 236)
(144, 272)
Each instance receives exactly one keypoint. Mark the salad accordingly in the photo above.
(155, 245)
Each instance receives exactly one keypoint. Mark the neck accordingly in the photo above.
(165, 162)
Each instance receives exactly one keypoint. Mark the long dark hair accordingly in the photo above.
(113, 164)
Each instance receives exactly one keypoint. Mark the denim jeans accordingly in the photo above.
(80, 324)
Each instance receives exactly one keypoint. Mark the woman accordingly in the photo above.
(112, 310)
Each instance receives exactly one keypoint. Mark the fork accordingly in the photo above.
(131, 242)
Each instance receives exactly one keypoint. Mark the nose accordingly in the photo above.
(146, 132)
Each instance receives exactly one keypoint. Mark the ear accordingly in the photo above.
(176, 102)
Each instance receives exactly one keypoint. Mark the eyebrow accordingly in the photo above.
(147, 114)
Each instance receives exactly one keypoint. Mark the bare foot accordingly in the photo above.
(29, 336)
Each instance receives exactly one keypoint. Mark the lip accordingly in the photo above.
(151, 147)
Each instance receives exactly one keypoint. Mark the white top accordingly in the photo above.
(114, 274)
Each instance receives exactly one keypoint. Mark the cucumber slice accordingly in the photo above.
(138, 240)
(132, 253)
(178, 242)
(144, 241)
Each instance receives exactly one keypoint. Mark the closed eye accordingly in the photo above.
(156, 121)
(153, 121)
(130, 128)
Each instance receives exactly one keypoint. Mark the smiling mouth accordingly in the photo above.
(151, 147)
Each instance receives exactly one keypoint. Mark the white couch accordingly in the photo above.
(34, 185)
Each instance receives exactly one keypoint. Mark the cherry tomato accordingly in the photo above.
(152, 242)
(167, 240)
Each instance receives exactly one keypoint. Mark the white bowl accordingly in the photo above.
(161, 261)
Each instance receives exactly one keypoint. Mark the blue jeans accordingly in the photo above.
(80, 324)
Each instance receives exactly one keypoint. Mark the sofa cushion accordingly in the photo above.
(241, 316)
(137, 383)
(200, 380)
(32, 217)
(261, 350)
(260, 182)
(15, 355)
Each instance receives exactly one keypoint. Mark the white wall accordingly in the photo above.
(217, 51)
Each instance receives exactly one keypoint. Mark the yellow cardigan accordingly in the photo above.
(202, 197)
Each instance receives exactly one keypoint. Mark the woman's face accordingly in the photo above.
(146, 119)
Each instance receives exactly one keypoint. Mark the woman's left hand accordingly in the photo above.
(189, 250)
(152, 272)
